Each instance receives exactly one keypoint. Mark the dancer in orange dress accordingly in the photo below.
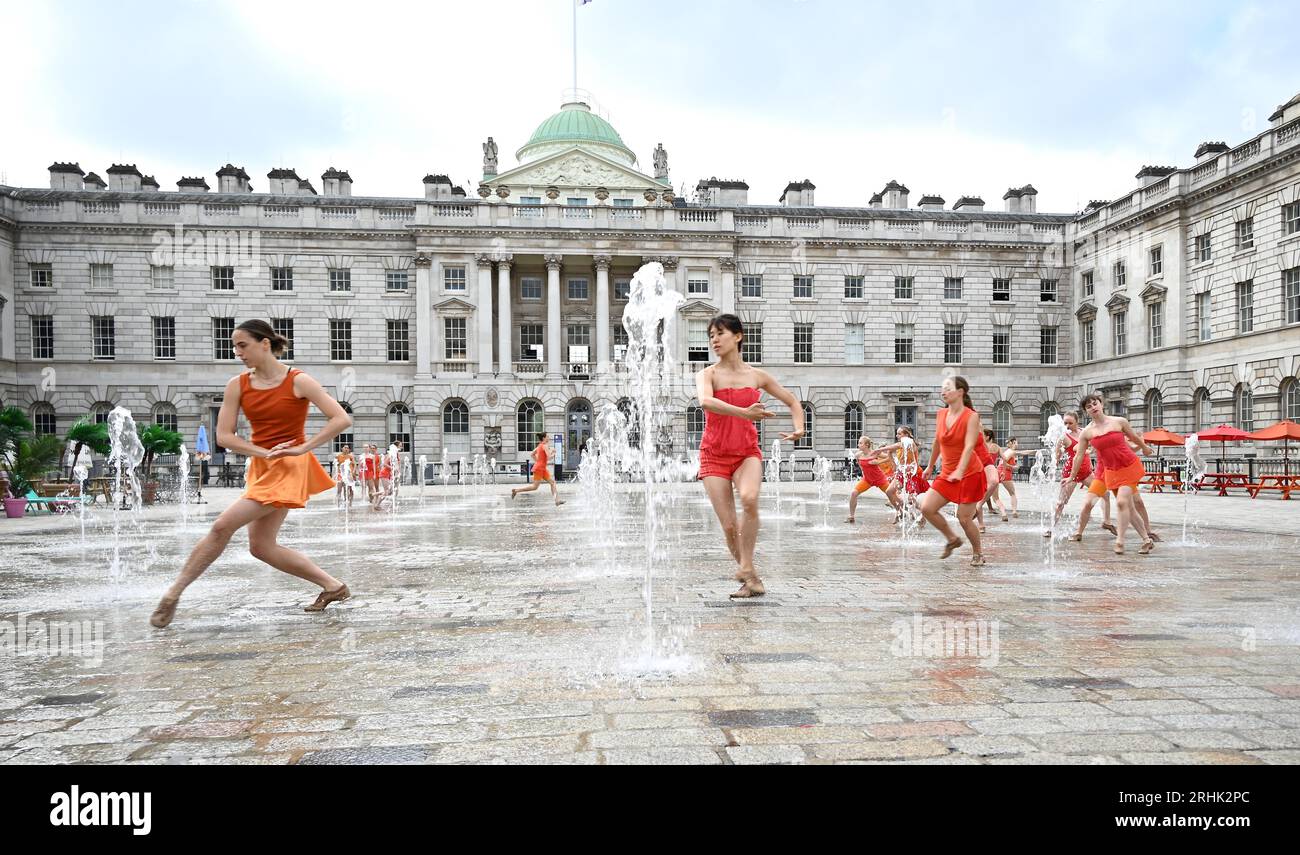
(541, 472)
(961, 480)
(1006, 477)
(1111, 436)
(1072, 479)
(1096, 492)
(344, 461)
(282, 474)
(874, 474)
(988, 459)
(730, 459)
(908, 476)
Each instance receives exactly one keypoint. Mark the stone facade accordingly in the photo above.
(542, 257)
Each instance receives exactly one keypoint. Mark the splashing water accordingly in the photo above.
(773, 473)
(1044, 477)
(1196, 467)
(908, 463)
(446, 469)
(183, 481)
(125, 455)
(822, 468)
(424, 467)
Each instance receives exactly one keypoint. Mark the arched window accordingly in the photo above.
(1001, 422)
(344, 438)
(455, 427)
(1244, 407)
(530, 420)
(806, 441)
(1155, 410)
(399, 425)
(1045, 413)
(694, 427)
(165, 414)
(1290, 395)
(99, 412)
(44, 420)
(1202, 410)
(854, 424)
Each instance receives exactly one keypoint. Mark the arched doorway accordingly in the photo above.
(577, 430)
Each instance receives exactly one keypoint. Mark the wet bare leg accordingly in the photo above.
(966, 516)
(853, 505)
(555, 493)
(263, 546)
(722, 497)
(749, 480)
(931, 508)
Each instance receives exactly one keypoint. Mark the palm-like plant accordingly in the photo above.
(32, 458)
(88, 433)
(14, 427)
(156, 440)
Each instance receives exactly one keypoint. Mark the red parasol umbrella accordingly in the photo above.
(1285, 430)
(1159, 437)
(1222, 434)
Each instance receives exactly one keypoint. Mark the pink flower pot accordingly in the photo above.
(15, 508)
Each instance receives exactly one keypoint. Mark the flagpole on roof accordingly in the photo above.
(575, 45)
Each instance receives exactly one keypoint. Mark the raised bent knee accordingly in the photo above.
(260, 551)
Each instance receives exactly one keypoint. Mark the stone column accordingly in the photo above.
(505, 355)
(484, 309)
(553, 315)
(602, 263)
(728, 296)
(425, 323)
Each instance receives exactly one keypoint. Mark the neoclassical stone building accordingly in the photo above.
(470, 322)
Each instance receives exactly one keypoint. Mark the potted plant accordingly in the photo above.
(156, 440)
(14, 425)
(87, 433)
(27, 463)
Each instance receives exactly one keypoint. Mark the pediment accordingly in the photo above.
(454, 304)
(576, 167)
(1153, 293)
(1117, 301)
(1086, 312)
(698, 307)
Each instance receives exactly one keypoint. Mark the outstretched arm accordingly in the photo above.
(1081, 451)
(767, 383)
(228, 419)
(704, 394)
(1134, 438)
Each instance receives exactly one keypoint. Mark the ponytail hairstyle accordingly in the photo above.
(542, 436)
(868, 440)
(960, 383)
(907, 431)
(1088, 399)
(988, 434)
(262, 331)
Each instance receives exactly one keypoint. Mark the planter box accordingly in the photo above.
(15, 508)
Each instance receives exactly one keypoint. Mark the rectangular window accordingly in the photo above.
(453, 278)
(284, 327)
(102, 333)
(530, 288)
(530, 200)
(399, 341)
(1088, 287)
(1291, 294)
(1202, 248)
(42, 336)
(223, 279)
(1047, 290)
(1156, 325)
(1120, 273)
(573, 200)
(854, 287)
(952, 287)
(1156, 261)
(619, 340)
(697, 285)
(532, 341)
(578, 289)
(396, 280)
(42, 275)
(903, 343)
(222, 330)
(340, 340)
(622, 203)
(1089, 338)
(855, 344)
(1203, 316)
(751, 286)
(952, 344)
(281, 278)
(902, 287)
(578, 335)
(697, 341)
(803, 287)
(751, 346)
(1002, 290)
(1245, 234)
(101, 275)
(454, 343)
(1120, 321)
(340, 280)
(622, 288)
(1001, 345)
(1291, 218)
(1245, 307)
(803, 344)
(164, 338)
(162, 276)
(1047, 345)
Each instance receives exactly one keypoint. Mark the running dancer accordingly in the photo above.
(1006, 477)
(872, 476)
(1072, 479)
(1111, 436)
(961, 480)
(345, 470)
(730, 459)
(541, 470)
(283, 473)
(989, 463)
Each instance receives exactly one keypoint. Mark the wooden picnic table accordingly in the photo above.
(1225, 481)
(1157, 481)
(1283, 483)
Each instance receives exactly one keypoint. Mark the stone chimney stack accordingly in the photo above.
(283, 182)
(723, 192)
(335, 182)
(1149, 175)
(192, 185)
(1208, 150)
(1028, 199)
(149, 184)
(1285, 113)
(968, 204)
(233, 179)
(437, 188)
(877, 199)
(798, 194)
(895, 195)
(124, 178)
(1011, 198)
(93, 182)
(305, 188)
(66, 176)
(931, 203)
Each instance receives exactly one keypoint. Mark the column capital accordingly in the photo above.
(602, 262)
(553, 262)
(505, 259)
(484, 259)
(423, 259)
(668, 261)
(728, 264)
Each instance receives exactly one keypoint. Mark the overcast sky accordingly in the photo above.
(948, 97)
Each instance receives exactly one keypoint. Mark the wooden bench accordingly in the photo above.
(1224, 481)
(1157, 481)
(1283, 484)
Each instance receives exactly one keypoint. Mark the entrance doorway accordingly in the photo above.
(577, 424)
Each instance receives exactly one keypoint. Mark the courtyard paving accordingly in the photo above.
(489, 631)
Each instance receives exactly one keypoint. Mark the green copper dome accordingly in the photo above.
(575, 124)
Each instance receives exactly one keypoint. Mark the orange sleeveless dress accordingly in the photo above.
(540, 461)
(276, 416)
(952, 444)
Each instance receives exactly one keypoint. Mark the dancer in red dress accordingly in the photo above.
(989, 461)
(730, 459)
(961, 480)
(1111, 436)
(1006, 477)
(876, 471)
(1072, 479)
